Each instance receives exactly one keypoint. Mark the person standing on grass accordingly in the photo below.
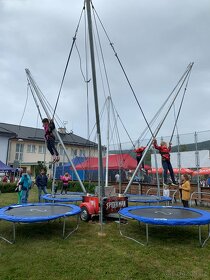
(25, 185)
(19, 191)
(65, 182)
(208, 181)
(41, 182)
(166, 191)
(185, 190)
(117, 177)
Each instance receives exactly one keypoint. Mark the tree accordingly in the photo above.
(40, 165)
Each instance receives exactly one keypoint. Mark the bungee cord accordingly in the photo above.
(24, 109)
(67, 63)
(185, 89)
(158, 128)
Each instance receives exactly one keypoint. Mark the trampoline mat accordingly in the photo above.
(65, 196)
(147, 198)
(43, 211)
(161, 213)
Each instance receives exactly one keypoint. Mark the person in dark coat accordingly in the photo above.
(41, 182)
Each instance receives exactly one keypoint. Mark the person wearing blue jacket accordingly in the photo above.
(41, 182)
(25, 183)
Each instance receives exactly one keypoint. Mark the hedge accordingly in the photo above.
(73, 186)
(7, 187)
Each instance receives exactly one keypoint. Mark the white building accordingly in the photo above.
(24, 147)
(5, 135)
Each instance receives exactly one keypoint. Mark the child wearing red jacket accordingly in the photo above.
(139, 151)
(164, 151)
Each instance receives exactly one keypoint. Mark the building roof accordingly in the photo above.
(6, 132)
(37, 134)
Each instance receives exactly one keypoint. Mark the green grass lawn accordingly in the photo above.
(41, 253)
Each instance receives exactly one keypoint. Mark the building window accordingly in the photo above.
(81, 153)
(19, 152)
(31, 148)
(75, 152)
(42, 149)
(61, 151)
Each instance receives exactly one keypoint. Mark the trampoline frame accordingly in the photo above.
(165, 199)
(123, 217)
(14, 223)
(73, 197)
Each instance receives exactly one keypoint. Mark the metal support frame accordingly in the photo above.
(126, 236)
(64, 227)
(201, 243)
(199, 194)
(63, 230)
(13, 234)
(174, 192)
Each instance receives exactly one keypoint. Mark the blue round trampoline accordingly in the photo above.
(38, 212)
(69, 197)
(168, 216)
(147, 198)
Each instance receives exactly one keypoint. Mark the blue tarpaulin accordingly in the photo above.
(5, 168)
(62, 169)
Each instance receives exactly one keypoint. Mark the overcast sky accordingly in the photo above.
(155, 41)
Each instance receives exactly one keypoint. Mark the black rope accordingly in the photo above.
(80, 64)
(164, 104)
(24, 110)
(102, 55)
(94, 12)
(161, 123)
(67, 63)
(125, 130)
(34, 97)
(126, 76)
(181, 103)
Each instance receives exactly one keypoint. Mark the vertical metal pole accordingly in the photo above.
(200, 235)
(147, 234)
(45, 151)
(107, 148)
(14, 233)
(64, 227)
(197, 163)
(179, 158)
(157, 176)
(100, 163)
(120, 178)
